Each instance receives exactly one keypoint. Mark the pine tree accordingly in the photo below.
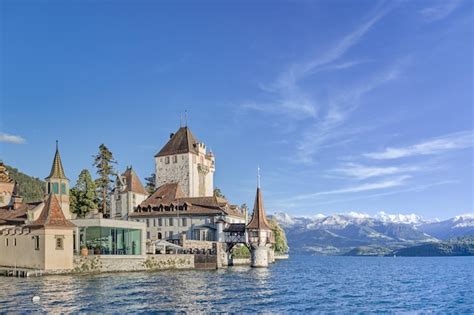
(218, 193)
(150, 183)
(83, 197)
(103, 162)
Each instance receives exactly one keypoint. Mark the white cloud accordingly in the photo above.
(459, 140)
(388, 183)
(4, 137)
(363, 172)
(441, 10)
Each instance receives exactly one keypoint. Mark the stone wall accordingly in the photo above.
(132, 263)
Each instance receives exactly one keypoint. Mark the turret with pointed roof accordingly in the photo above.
(127, 194)
(58, 184)
(259, 220)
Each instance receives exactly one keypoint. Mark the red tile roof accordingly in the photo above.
(259, 220)
(52, 215)
(133, 182)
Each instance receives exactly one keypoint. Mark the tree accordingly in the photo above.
(150, 183)
(281, 245)
(83, 197)
(103, 162)
(218, 193)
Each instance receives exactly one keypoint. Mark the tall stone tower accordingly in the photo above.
(185, 160)
(260, 235)
(58, 184)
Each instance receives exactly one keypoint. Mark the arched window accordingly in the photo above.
(159, 235)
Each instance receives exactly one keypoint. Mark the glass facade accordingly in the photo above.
(111, 241)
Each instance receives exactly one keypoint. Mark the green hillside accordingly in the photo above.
(463, 246)
(30, 188)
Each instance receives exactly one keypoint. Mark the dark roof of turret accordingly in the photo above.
(259, 220)
(57, 170)
(183, 141)
(52, 215)
(133, 182)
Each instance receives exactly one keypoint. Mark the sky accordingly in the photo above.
(362, 106)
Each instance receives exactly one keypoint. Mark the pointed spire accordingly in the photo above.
(258, 176)
(57, 170)
(259, 219)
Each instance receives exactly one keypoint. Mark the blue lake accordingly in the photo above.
(300, 284)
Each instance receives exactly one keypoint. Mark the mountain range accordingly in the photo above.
(360, 234)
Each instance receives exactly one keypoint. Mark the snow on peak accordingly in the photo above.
(465, 216)
(358, 215)
(400, 218)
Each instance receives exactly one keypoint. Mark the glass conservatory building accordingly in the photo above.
(110, 237)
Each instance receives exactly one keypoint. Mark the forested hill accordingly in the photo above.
(462, 246)
(30, 188)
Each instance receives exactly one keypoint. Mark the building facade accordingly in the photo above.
(169, 214)
(185, 160)
(127, 194)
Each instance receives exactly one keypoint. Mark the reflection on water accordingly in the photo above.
(301, 284)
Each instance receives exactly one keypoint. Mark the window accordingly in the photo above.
(175, 159)
(59, 242)
(167, 160)
(49, 188)
(6, 242)
(159, 236)
(171, 222)
(160, 222)
(14, 242)
(63, 189)
(154, 222)
(184, 222)
(147, 222)
(37, 242)
(170, 235)
(148, 235)
(56, 188)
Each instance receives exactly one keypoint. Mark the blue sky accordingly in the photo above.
(346, 105)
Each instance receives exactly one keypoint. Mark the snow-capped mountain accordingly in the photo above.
(339, 233)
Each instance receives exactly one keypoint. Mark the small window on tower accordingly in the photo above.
(59, 242)
(55, 188)
(175, 159)
(167, 160)
(63, 189)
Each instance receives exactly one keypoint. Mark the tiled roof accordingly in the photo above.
(259, 220)
(57, 170)
(183, 141)
(133, 182)
(171, 194)
(52, 215)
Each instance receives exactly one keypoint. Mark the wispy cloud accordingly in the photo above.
(440, 10)
(360, 172)
(4, 137)
(459, 140)
(383, 184)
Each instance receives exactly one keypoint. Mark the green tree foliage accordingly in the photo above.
(281, 245)
(240, 251)
(103, 162)
(83, 197)
(218, 193)
(30, 188)
(150, 183)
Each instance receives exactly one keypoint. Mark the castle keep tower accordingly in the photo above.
(58, 184)
(185, 160)
(260, 235)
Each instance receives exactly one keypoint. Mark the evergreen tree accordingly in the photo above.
(83, 197)
(103, 162)
(281, 245)
(150, 183)
(30, 188)
(218, 193)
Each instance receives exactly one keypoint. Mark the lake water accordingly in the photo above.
(300, 284)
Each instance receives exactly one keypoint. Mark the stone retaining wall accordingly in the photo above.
(128, 263)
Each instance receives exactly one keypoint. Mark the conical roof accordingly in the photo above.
(52, 215)
(57, 170)
(259, 220)
(133, 182)
(183, 141)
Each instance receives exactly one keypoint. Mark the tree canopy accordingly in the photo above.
(30, 188)
(83, 196)
(281, 245)
(104, 161)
